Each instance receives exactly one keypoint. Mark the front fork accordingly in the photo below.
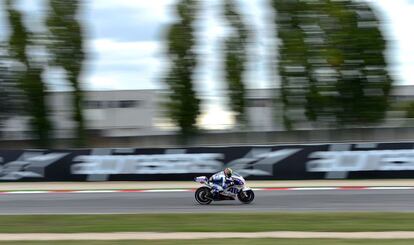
(244, 190)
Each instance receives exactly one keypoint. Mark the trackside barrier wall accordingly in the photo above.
(279, 162)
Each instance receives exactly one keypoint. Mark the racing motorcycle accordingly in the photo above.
(238, 189)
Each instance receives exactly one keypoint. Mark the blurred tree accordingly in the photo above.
(66, 48)
(235, 52)
(409, 110)
(292, 65)
(332, 62)
(11, 96)
(357, 56)
(183, 105)
(28, 74)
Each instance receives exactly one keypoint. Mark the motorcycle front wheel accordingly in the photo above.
(246, 197)
(201, 196)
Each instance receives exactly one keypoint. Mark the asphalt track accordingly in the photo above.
(183, 202)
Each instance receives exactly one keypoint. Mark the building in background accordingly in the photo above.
(122, 113)
(107, 113)
(265, 110)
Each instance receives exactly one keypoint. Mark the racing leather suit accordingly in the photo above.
(220, 182)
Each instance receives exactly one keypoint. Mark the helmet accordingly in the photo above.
(228, 172)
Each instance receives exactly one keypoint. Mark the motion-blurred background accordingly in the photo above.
(167, 72)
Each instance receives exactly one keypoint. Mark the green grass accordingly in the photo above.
(226, 242)
(345, 222)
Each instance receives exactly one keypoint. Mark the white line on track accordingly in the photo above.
(168, 190)
(112, 236)
(341, 188)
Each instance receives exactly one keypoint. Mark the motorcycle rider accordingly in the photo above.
(221, 181)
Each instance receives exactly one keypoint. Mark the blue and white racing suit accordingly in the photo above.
(220, 182)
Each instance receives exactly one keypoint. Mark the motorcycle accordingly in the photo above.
(238, 189)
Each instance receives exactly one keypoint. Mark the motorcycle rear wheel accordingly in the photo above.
(201, 196)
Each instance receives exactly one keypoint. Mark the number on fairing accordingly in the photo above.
(233, 190)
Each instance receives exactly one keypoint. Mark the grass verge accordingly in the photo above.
(225, 222)
(228, 241)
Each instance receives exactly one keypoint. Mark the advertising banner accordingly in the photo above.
(281, 162)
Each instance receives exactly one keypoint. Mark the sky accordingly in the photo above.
(127, 51)
(398, 17)
(124, 40)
